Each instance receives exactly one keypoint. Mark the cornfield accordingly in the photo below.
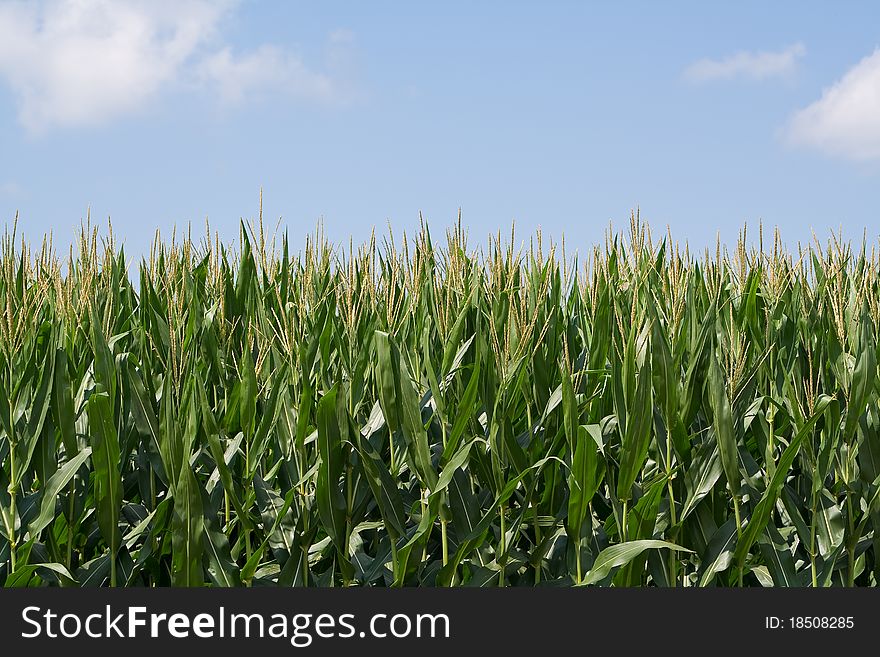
(405, 414)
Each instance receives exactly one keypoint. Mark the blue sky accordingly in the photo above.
(564, 115)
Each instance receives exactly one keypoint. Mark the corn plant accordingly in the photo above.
(410, 414)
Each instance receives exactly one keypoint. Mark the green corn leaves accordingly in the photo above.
(400, 405)
(332, 509)
(106, 461)
(864, 374)
(50, 492)
(636, 437)
(722, 423)
(408, 413)
(764, 508)
(587, 464)
(384, 488)
(187, 531)
(619, 555)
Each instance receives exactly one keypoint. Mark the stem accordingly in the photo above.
(154, 540)
(577, 547)
(537, 543)
(112, 569)
(813, 574)
(851, 542)
(305, 546)
(851, 566)
(13, 491)
(430, 527)
(444, 539)
(349, 501)
(305, 565)
(502, 549)
(247, 455)
(70, 503)
(739, 537)
(247, 470)
(673, 563)
(627, 569)
(391, 453)
(394, 564)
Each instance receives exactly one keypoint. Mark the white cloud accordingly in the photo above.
(76, 62)
(9, 188)
(267, 69)
(745, 64)
(845, 121)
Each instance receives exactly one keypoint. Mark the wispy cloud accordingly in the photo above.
(77, 62)
(9, 189)
(747, 64)
(239, 75)
(272, 70)
(845, 120)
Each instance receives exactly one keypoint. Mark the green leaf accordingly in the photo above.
(780, 563)
(187, 531)
(587, 472)
(637, 435)
(278, 516)
(39, 408)
(722, 423)
(719, 552)
(387, 383)
(700, 478)
(331, 501)
(863, 376)
(222, 570)
(104, 364)
(384, 490)
(248, 398)
(764, 508)
(22, 576)
(621, 554)
(62, 404)
(106, 461)
(50, 491)
(144, 415)
(830, 524)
